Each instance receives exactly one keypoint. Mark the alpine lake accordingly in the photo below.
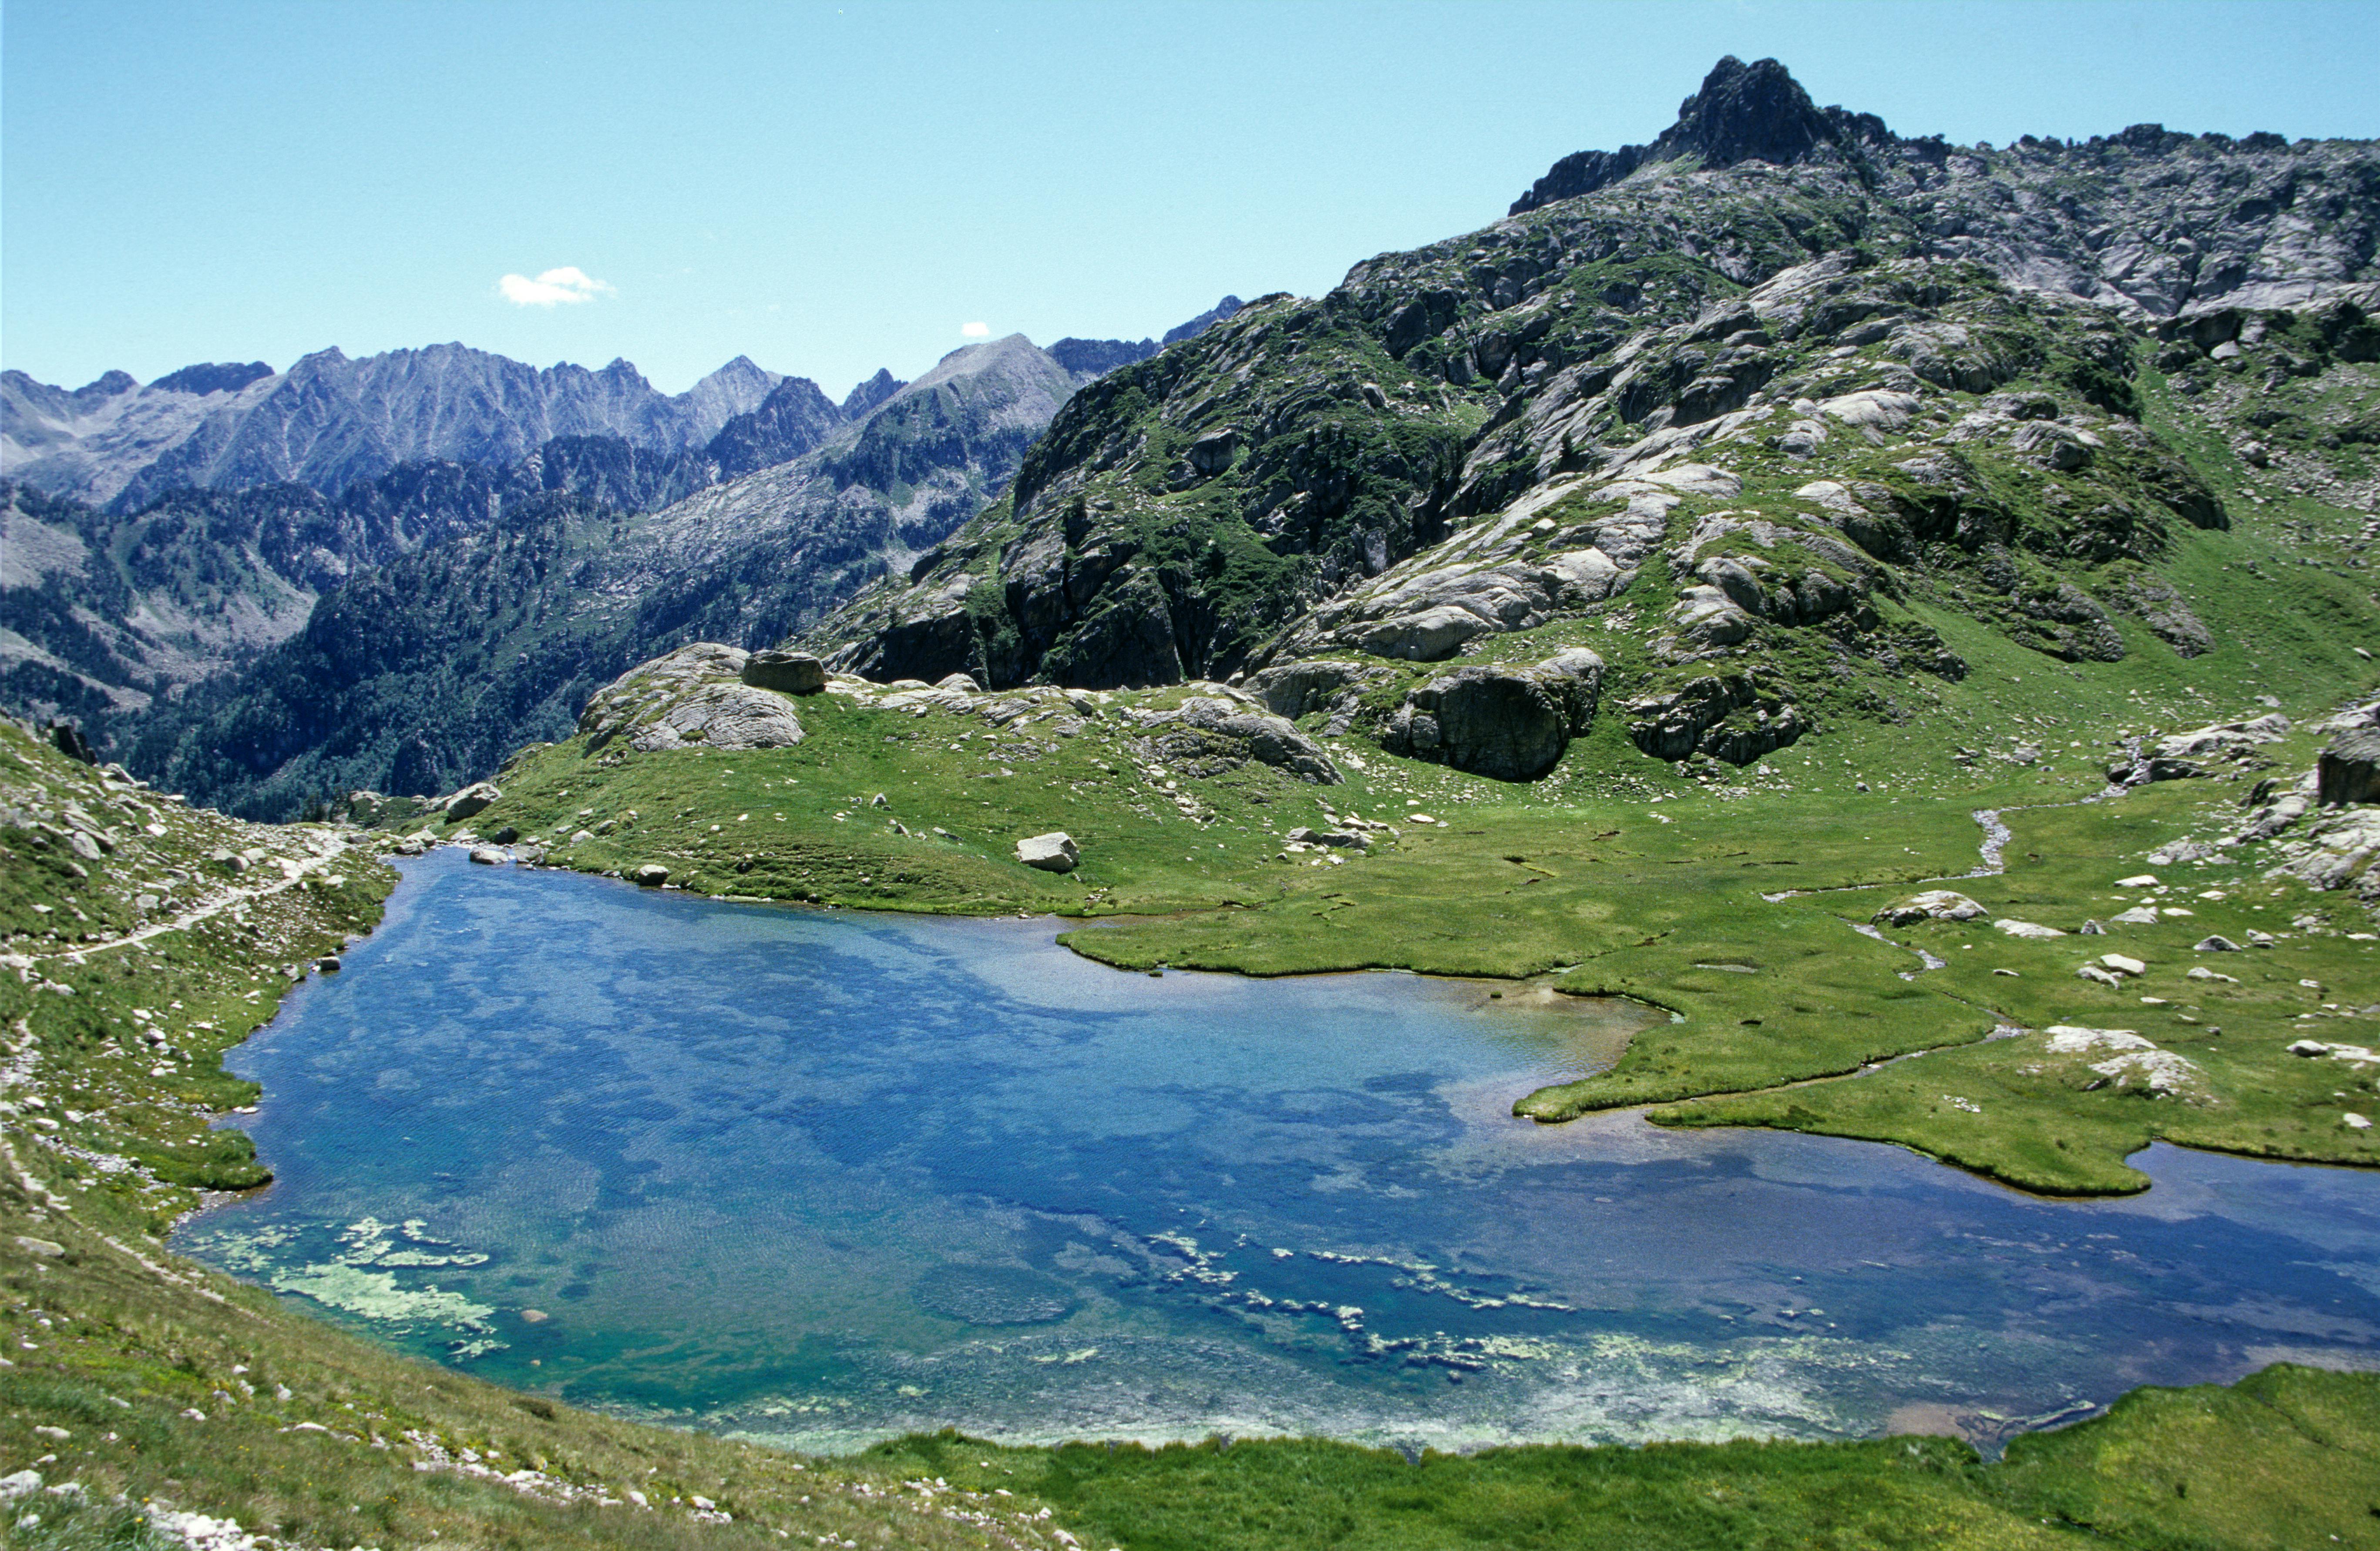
(818, 1178)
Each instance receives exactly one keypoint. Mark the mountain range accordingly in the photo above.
(270, 643)
(122, 578)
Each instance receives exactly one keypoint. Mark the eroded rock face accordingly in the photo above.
(1505, 722)
(722, 716)
(2349, 770)
(1295, 689)
(1204, 735)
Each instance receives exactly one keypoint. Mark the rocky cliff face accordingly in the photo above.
(1751, 406)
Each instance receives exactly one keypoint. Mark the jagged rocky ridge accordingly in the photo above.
(1745, 400)
(330, 421)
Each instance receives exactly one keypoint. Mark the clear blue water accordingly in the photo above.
(821, 1178)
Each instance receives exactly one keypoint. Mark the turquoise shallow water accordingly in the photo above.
(822, 1178)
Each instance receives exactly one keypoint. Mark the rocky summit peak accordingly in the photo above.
(1742, 112)
(1747, 113)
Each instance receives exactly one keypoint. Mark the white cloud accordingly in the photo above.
(976, 331)
(568, 284)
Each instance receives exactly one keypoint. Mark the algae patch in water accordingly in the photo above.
(994, 1295)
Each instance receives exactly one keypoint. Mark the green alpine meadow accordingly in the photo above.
(1893, 618)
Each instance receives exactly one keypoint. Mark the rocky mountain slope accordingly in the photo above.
(329, 423)
(1763, 413)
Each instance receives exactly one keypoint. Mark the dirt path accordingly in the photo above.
(327, 849)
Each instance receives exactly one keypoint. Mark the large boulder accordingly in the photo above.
(1511, 723)
(1206, 735)
(787, 673)
(1212, 454)
(1055, 852)
(2349, 770)
(472, 799)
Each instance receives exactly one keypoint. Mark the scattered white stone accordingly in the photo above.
(1936, 904)
(2124, 965)
(2354, 1121)
(2026, 928)
(2138, 880)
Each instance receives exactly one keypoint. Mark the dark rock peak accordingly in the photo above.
(1202, 322)
(795, 418)
(1747, 113)
(211, 377)
(107, 385)
(1744, 113)
(1095, 358)
(869, 395)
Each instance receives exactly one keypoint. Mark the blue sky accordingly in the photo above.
(828, 188)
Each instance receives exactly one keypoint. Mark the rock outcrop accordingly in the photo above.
(694, 697)
(1205, 734)
(1511, 723)
(1734, 717)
